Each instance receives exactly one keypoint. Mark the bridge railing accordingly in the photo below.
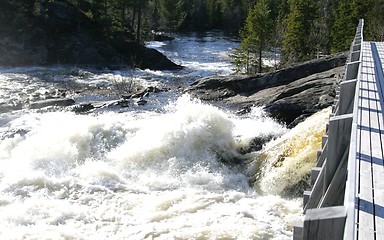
(329, 206)
(350, 188)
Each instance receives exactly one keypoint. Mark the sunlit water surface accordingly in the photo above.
(158, 171)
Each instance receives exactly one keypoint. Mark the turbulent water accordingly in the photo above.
(160, 171)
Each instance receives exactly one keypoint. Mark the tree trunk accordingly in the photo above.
(247, 63)
(105, 8)
(133, 18)
(260, 59)
(123, 13)
(138, 37)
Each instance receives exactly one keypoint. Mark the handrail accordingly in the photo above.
(350, 188)
(328, 216)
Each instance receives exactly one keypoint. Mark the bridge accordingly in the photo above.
(347, 196)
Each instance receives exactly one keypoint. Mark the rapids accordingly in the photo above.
(166, 170)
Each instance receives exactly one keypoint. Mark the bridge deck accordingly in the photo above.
(352, 158)
(369, 199)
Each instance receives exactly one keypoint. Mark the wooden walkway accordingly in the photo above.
(369, 192)
(346, 201)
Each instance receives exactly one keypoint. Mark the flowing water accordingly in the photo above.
(159, 171)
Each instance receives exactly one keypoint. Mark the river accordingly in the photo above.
(153, 171)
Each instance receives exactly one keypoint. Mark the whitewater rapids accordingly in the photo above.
(135, 176)
(166, 170)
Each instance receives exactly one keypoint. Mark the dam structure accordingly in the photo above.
(347, 196)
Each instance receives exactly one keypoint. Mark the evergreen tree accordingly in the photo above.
(214, 12)
(374, 25)
(344, 25)
(297, 45)
(320, 36)
(256, 37)
(281, 23)
(173, 12)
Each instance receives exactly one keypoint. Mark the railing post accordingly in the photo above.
(338, 141)
(324, 223)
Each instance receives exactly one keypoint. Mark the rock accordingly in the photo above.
(285, 94)
(84, 107)
(255, 144)
(299, 119)
(297, 190)
(62, 102)
(142, 57)
(144, 92)
(161, 36)
(141, 102)
(234, 85)
(283, 110)
(4, 107)
(326, 100)
(123, 103)
(13, 133)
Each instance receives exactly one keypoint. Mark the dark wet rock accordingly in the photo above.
(299, 119)
(127, 100)
(255, 144)
(8, 107)
(141, 102)
(123, 103)
(286, 94)
(144, 92)
(62, 102)
(161, 36)
(297, 190)
(142, 57)
(83, 108)
(65, 35)
(13, 133)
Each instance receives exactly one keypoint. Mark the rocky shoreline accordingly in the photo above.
(289, 95)
(66, 35)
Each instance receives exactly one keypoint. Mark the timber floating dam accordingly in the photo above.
(347, 196)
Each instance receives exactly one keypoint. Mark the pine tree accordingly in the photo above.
(214, 12)
(256, 37)
(297, 45)
(374, 29)
(344, 25)
(173, 12)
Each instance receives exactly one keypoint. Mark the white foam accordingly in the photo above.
(257, 124)
(155, 44)
(136, 175)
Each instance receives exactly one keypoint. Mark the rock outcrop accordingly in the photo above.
(63, 34)
(59, 102)
(289, 94)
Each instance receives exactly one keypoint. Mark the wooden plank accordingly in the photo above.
(324, 223)
(378, 170)
(316, 192)
(365, 198)
(338, 142)
(358, 140)
(377, 139)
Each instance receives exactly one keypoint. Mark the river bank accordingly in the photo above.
(289, 95)
(63, 34)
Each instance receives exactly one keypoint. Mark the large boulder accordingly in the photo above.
(287, 94)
